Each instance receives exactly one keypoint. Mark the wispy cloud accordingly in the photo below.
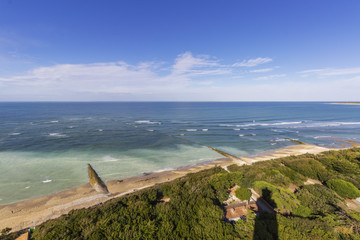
(268, 77)
(188, 78)
(326, 72)
(187, 63)
(115, 78)
(261, 70)
(252, 62)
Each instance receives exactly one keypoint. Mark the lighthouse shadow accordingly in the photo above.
(266, 225)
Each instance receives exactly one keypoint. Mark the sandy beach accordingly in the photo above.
(32, 212)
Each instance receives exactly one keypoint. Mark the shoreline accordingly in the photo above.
(32, 212)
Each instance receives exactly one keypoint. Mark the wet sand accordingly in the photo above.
(32, 212)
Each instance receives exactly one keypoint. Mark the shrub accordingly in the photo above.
(243, 193)
(221, 182)
(268, 173)
(343, 188)
(318, 198)
(309, 168)
(280, 198)
(295, 177)
(302, 211)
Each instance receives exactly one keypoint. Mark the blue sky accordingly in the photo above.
(152, 50)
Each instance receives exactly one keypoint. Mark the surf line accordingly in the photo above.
(232, 157)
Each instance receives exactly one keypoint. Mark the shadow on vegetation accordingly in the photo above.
(266, 226)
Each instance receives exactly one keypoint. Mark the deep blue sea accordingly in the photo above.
(44, 147)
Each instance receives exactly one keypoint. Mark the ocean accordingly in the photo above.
(45, 147)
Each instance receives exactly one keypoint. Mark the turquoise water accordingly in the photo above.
(44, 147)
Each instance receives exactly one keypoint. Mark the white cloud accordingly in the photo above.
(252, 62)
(84, 81)
(186, 63)
(189, 78)
(268, 77)
(330, 72)
(261, 70)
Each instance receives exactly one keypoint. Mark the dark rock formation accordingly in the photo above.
(96, 182)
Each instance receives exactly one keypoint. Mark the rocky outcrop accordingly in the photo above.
(96, 182)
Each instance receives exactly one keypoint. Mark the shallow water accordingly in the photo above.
(44, 147)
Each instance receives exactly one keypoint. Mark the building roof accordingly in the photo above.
(25, 236)
(235, 212)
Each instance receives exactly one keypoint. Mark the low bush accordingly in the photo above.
(243, 193)
(343, 188)
(309, 168)
(280, 198)
(318, 198)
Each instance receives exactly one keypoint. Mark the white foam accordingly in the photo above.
(163, 170)
(251, 134)
(259, 124)
(276, 130)
(236, 129)
(297, 124)
(270, 124)
(147, 122)
(109, 159)
(349, 123)
(205, 130)
(227, 125)
(14, 134)
(47, 181)
(322, 137)
(326, 124)
(280, 140)
(57, 135)
(27, 187)
(191, 130)
(150, 130)
(55, 121)
(182, 134)
(100, 130)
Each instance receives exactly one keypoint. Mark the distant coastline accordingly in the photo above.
(347, 103)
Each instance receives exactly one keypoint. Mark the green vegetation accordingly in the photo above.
(196, 211)
(243, 193)
(320, 199)
(283, 200)
(6, 235)
(343, 188)
(309, 168)
(221, 182)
